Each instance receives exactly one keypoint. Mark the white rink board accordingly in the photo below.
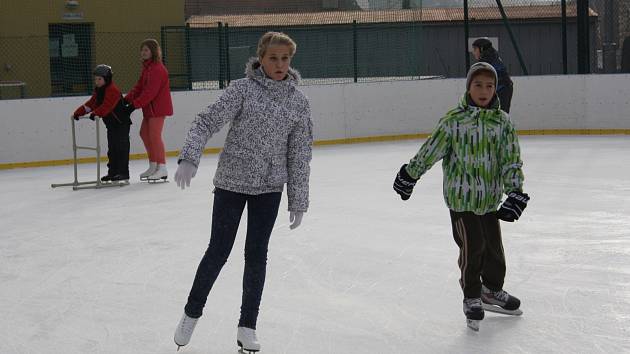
(39, 129)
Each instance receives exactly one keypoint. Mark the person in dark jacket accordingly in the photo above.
(106, 102)
(484, 51)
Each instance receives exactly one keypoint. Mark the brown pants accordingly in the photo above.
(481, 255)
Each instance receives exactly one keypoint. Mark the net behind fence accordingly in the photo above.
(332, 47)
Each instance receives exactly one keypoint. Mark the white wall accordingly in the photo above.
(39, 129)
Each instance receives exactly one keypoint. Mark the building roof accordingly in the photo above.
(426, 15)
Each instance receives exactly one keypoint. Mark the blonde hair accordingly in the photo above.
(275, 38)
(154, 47)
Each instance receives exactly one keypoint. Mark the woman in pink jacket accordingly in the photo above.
(152, 93)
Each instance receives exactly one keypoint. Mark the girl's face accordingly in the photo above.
(482, 90)
(276, 61)
(476, 53)
(145, 53)
(99, 81)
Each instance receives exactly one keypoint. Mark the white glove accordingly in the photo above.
(185, 172)
(295, 217)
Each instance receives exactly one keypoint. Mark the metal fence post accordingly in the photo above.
(466, 35)
(227, 53)
(188, 56)
(220, 32)
(509, 28)
(583, 37)
(565, 65)
(355, 51)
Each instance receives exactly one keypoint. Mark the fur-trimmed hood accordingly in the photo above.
(253, 70)
(269, 141)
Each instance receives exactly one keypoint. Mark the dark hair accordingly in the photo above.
(482, 44)
(154, 47)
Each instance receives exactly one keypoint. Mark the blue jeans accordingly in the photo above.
(262, 211)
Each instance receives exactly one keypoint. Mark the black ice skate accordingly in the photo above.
(500, 302)
(120, 179)
(107, 178)
(473, 309)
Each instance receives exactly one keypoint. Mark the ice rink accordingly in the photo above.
(108, 271)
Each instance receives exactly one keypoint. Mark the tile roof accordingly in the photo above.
(425, 15)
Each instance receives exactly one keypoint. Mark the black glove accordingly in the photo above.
(513, 206)
(76, 116)
(403, 183)
(92, 115)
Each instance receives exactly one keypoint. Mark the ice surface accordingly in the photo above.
(108, 271)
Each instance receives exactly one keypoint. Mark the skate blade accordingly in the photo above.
(159, 180)
(497, 309)
(473, 324)
(242, 350)
(121, 183)
(177, 344)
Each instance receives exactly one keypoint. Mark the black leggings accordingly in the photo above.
(262, 211)
(118, 149)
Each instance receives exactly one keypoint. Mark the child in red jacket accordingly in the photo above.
(106, 102)
(152, 94)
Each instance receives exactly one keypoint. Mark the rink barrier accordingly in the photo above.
(344, 141)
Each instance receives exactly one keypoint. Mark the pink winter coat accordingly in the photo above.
(152, 92)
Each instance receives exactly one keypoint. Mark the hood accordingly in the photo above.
(467, 104)
(254, 71)
(478, 67)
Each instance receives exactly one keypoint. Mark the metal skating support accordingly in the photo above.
(76, 185)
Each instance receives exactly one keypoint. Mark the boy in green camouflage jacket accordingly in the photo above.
(481, 160)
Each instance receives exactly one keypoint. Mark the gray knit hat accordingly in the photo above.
(480, 66)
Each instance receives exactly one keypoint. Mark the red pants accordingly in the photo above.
(151, 134)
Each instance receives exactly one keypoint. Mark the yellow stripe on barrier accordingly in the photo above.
(370, 139)
(367, 139)
(575, 132)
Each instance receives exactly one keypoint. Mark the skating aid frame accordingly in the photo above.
(76, 185)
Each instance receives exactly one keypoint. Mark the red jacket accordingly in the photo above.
(152, 92)
(112, 96)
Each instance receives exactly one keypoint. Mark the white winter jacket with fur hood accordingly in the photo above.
(270, 138)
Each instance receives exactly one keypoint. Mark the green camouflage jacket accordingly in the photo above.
(480, 157)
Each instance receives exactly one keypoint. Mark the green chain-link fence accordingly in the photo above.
(338, 41)
(335, 47)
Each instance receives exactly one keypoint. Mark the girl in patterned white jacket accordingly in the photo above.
(269, 144)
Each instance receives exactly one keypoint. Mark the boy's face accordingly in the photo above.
(145, 53)
(99, 81)
(276, 61)
(482, 89)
